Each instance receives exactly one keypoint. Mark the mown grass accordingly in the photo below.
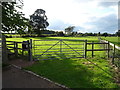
(89, 39)
(115, 40)
(74, 72)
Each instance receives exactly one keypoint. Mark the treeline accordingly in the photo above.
(92, 34)
(51, 33)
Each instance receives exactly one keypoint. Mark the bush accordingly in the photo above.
(8, 36)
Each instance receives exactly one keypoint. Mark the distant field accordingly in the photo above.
(75, 72)
(115, 40)
(89, 39)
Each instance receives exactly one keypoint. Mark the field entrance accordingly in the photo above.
(58, 49)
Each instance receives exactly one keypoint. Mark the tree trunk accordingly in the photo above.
(4, 50)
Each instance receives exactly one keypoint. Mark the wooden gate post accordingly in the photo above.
(30, 50)
(16, 48)
(4, 49)
(113, 54)
(85, 51)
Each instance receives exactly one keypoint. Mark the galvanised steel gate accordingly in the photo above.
(58, 49)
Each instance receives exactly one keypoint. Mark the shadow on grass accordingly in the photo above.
(69, 72)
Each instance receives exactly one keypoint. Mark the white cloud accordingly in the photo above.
(62, 13)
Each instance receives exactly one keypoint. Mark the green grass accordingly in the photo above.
(89, 39)
(73, 72)
(115, 40)
(76, 73)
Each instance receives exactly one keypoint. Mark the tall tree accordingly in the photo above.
(105, 34)
(39, 20)
(98, 34)
(12, 19)
(118, 33)
(69, 29)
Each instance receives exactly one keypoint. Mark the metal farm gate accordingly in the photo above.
(58, 49)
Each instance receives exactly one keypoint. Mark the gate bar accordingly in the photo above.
(50, 48)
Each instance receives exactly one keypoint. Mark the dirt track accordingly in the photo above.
(16, 78)
(13, 77)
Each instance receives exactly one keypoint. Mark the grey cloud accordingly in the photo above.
(77, 28)
(107, 4)
(119, 10)
(58, 25)
(105, 24)
(103, 2)
(61, 25)
(118, 24)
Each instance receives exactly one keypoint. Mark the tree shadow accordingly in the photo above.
(69, 72)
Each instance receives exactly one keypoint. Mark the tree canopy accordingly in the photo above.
(39, 20)
(69, 29)
(118, 33)
(12, 19)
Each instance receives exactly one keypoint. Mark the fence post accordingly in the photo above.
(30, 50)
(85, 47)
(92, 49)
(4, 49)
(108, 48)
(22, 49)
(16, 48)
(113, 54)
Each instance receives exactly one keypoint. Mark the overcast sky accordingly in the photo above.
(87, 15)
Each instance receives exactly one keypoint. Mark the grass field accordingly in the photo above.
(115, 40)
(75, 72)
(89, 39)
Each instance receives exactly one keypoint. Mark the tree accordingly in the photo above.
(98, 34)
(69, 29)
(60, 33)
(118, 33)
(105, 34)
(74, 34)
(39, 20)
(12, 19)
